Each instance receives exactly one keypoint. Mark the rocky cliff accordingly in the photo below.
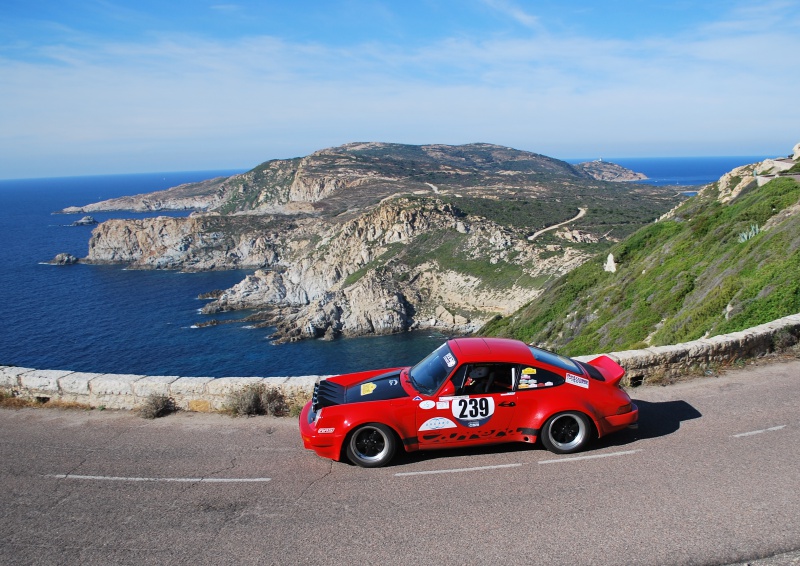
(378, 238)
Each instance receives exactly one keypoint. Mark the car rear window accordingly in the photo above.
(553, 359)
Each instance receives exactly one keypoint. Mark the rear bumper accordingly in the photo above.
(617, 422)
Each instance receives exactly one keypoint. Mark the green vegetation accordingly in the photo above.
(520, 215)
(449, 250)
(678, 279)
(267, 183)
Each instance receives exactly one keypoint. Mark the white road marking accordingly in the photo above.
(456, 470)
(187, 480)
(590, 457)
(752, 432)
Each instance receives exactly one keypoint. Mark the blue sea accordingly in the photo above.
(108, 319)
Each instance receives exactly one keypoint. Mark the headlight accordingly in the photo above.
(316, 419)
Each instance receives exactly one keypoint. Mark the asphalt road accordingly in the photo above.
(710, 477)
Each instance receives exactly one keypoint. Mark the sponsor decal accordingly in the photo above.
(445, 398)
(579, 381)
(449, 360)
(326, 430)
(550, 384)
(393, 382)
(437, 423)
(442, 405)
(525, 385)
(529, 371)
(427, 404)
(473, 411)
(417, 398)
(367, 388)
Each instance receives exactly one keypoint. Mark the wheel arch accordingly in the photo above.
(541, 416)
(355, 425)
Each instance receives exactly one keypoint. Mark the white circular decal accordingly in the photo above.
(427, 405)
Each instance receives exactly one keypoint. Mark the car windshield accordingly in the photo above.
(429, 374)
(554, 359)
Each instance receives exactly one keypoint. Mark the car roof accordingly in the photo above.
(469, 350)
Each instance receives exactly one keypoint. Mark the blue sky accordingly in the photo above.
(105, 86)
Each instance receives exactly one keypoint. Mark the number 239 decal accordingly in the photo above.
(472, 411)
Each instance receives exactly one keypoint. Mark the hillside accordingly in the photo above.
(377, 238)
(723, 261)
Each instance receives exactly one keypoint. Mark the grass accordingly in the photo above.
(10, 400)
(677, 280)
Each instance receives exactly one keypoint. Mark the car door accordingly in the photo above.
(475, 406)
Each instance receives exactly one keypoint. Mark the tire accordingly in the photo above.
(567, 432)
(371, 445)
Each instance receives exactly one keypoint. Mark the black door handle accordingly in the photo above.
(507, 404)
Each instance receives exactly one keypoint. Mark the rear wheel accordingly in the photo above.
(566, 433)
(371, 445)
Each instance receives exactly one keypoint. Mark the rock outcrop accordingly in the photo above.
(85, 221)
(64, 259)
(189, 244)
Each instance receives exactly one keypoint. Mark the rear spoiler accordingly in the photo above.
(611, 370)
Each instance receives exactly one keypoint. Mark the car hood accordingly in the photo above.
(357, 388)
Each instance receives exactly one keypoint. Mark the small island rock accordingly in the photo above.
(64, 259)
(85, 221)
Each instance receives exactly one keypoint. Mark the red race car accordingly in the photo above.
(467, 392)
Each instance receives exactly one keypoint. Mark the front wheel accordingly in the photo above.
(566, 433)
(371, 445)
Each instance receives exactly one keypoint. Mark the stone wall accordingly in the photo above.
(122, 391)
(665, 363)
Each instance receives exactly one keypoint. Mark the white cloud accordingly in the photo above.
(722, 89)
(514, 12)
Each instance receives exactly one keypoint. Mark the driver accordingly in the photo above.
(475, 382)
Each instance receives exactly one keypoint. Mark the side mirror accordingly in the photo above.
(448, 389)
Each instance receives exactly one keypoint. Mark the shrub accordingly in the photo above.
(273, 402)
(156, 406)
(257, 399)
(749, 234)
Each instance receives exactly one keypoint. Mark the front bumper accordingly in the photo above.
(326, 445)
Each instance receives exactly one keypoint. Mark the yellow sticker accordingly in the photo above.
(367, 388)
(529, 371)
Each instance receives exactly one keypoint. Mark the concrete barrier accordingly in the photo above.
(124, 391)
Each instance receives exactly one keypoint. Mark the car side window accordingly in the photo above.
(537, 378)
(482, 378)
